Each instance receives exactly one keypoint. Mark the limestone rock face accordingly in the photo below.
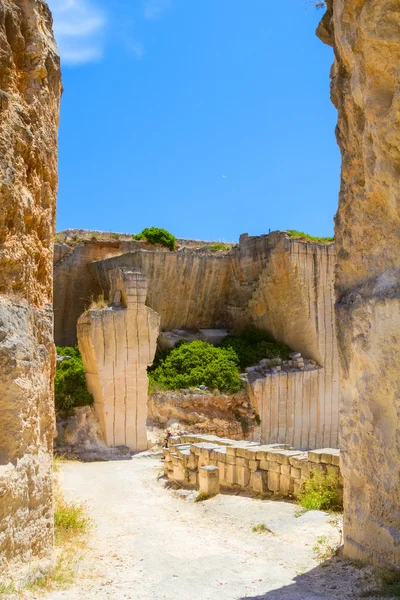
(365, 90)
(30, 89)
(117, 345)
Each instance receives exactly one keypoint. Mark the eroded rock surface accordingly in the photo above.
(30, 88)
(118, 343)
(365, 90)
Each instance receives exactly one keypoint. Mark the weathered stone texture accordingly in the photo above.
(365, 90)
(30, 88)
(117, 345)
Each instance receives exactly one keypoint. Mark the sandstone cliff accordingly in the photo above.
(30, 89)
(365, 86)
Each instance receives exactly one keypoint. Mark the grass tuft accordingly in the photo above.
(306, 237)
(70, 519)
(261, 528)
(202, 497)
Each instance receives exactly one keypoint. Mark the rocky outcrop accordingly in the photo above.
(118, 343)
(365, 86)
(228, 416)
(30, 88)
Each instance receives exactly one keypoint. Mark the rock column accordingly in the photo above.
(30, 89)
(366, 91)
(118, 343)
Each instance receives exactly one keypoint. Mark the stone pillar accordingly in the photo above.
(209, 481)
(366, 92)
(30, 89)
(118, 343)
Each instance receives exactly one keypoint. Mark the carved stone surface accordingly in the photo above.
(30, 89)
(365, 90)
(118, 343)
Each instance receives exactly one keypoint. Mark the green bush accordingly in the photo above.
(198, 363)
(252, 345)
(156, 235)
(70, 388)
(321, 491)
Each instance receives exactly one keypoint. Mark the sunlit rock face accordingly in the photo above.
(30, 89)
(365, 89)
(118, 343)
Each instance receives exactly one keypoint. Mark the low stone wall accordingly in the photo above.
(247, 466)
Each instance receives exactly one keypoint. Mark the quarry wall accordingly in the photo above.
(30, 89)
(276, 283)
(365, 85)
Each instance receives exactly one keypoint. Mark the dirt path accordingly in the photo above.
(151, 543)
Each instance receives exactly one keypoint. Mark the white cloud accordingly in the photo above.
(78, 27)
(154, 8)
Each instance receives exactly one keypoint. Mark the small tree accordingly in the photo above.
(157, 235)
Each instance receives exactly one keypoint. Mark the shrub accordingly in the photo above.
(252, 345)
(198, 363)
(321, 491)
(70, 388)
(156, 235)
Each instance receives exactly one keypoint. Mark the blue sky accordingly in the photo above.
(210, 118)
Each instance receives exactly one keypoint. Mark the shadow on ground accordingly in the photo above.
(335, 579)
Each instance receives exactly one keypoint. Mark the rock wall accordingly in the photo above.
(290, 409)
(30, 88)
(117, 345)
(294, 299)
(186, 289)
(279, 284)
(365, 84)
(228, 416)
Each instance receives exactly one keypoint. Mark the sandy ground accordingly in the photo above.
(153, 543)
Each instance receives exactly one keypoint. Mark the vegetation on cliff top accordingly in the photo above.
(306, 237)
(157, 235)
(198, 363)
(70, 388)
(252, 345)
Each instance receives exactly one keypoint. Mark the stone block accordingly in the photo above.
(274, 466)
(209, 481)
(295, 473)
(264, 465)
(286, 486)
(230, 460)
(315, 456)
(179, 473)
(273, 481)
(254, 465)
(231, 474)
(242, 462)
(284, 456)
(285, 470)
(193, 462)
(222, 471)
(193, 478)
(243, 476)
(299, 460)
(258, 482)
